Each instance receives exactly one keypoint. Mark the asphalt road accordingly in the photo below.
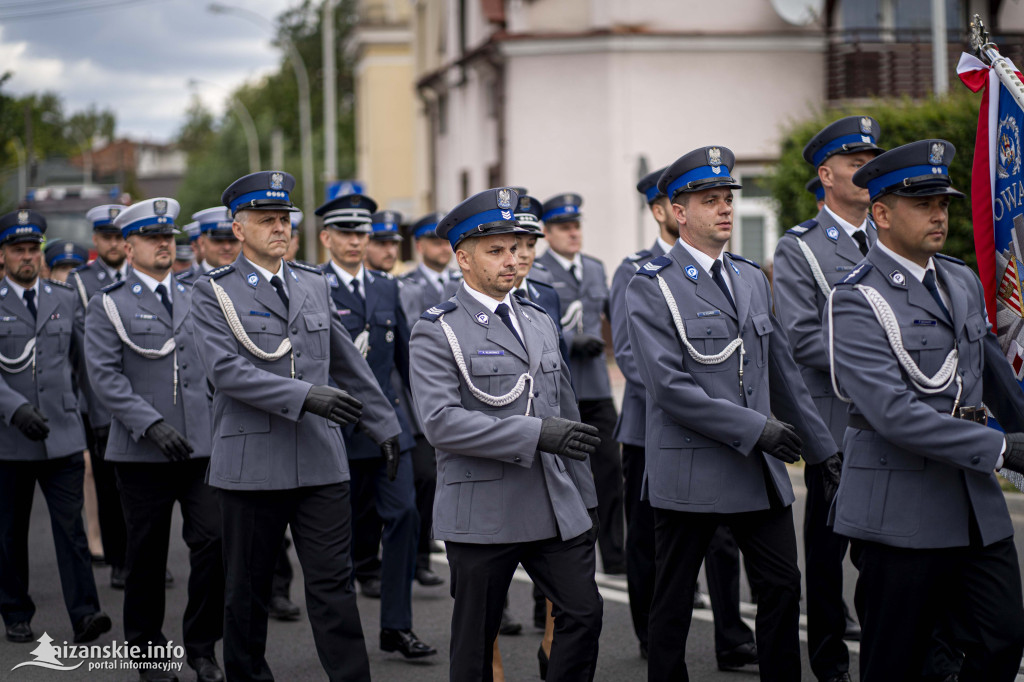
(292, 655)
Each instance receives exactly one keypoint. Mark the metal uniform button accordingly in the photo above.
(298, 353)
(735, 443)
(708, 330)
(181, 347)
(883, 460)
(469, 474)
(241, 429)
(750, 390)
(975, 459)
(516, 459)
(284, 410)
(264, 326)
(295, 330)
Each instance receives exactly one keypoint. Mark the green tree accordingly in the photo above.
(953, 118)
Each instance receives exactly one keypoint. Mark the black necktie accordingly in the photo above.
(30, 301)
(355, 288)
(572, 271)
(505, 313)
(278, 285)
(861, 238)
(117, 275)
(933, 288)
(716, 275)
(161, 291)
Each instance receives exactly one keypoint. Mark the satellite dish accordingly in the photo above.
(798, 12)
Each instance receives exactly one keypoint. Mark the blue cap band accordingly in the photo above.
(561, 210)
(193, 236)
(146, 222)
(74, 257)
(385, 227)
(19, 229)
(698, 173)
(652, 193)
(819, 193)
(259, 195)
(425, 230)
(216, 225)
(877, 186)
(101, 223)
(837, 143)
(471, 223)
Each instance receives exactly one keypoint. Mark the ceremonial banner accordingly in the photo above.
(997, 196)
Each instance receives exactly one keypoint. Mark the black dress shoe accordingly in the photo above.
(282, 608)
(20, 633)
(206, 669)
(98, 559)
(406, 643)
(117, 576)
(736, 659)
(370, 587)
(168, 578)
(542, 662)
(91, 627)
(150, 675)
(436, 547)
(616, 569)
(509, 625)
(427, 578)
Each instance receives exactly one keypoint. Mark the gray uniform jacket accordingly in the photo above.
(589, 375)
(493, 485)
(918, 475)
(701, 425)
(140, 391)
(51, 385)
(262, 439)
(631, 427)
(87, 280)
(799, 303)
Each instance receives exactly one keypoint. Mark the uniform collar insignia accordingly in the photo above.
(898, 278)
(691, 272)
(832, 233)
(253, 279)
(482, 318)
(137, 289)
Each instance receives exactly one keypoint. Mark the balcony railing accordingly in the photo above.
(862, 63)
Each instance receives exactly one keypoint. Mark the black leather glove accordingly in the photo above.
(100, 435)
(779, 440)
(575, 440)
(389, 449)
(172, 444)
(830, 470)
(31, 422)
(587, 345)
(1013, 457)
(333, 404)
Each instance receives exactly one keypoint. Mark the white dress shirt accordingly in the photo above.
(566, 263)
(706, 261)
(152, 283)
(492, 305)
(267, 274)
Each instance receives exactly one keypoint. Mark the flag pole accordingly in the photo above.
(988, 52)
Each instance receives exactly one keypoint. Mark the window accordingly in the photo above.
(752, 237)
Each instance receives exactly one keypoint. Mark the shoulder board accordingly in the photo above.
(736, 256)
(530, 304)
(381, 274)
(184, 275)
(540, 266)
(857, 274)
(439, 310)
(110, 287)
(304, 266)
(803, 227)
(220, 272)
(538, 283)
(82, 268)
(654, 266)
(639, 255)
(60, 284)
(596, 260)
(950, 259)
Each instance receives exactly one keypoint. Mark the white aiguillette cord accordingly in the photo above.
(945, 376)
(114, 315)
(494, 401)
(235, 324)
(703, 359)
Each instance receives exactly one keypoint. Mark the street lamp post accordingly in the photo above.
(305, 122)
(252, 138)
(330, 95)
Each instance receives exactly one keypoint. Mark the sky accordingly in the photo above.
(135, 57)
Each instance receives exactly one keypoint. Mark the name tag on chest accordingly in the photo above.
(490, 352)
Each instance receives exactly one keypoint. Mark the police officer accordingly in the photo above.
(111, 265)
(809, 259)
(815, 187)
(271, 340)
(370, 310)
(192, 230)
(912, 349)
(62, 257)
(385, 240)
(705, 343)
(219, 245)
(734, 641)
(293, 245)
(41, 433)
(432, 273)
(494, 398)
(182, 259)
(583, 291)
(143, 363)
